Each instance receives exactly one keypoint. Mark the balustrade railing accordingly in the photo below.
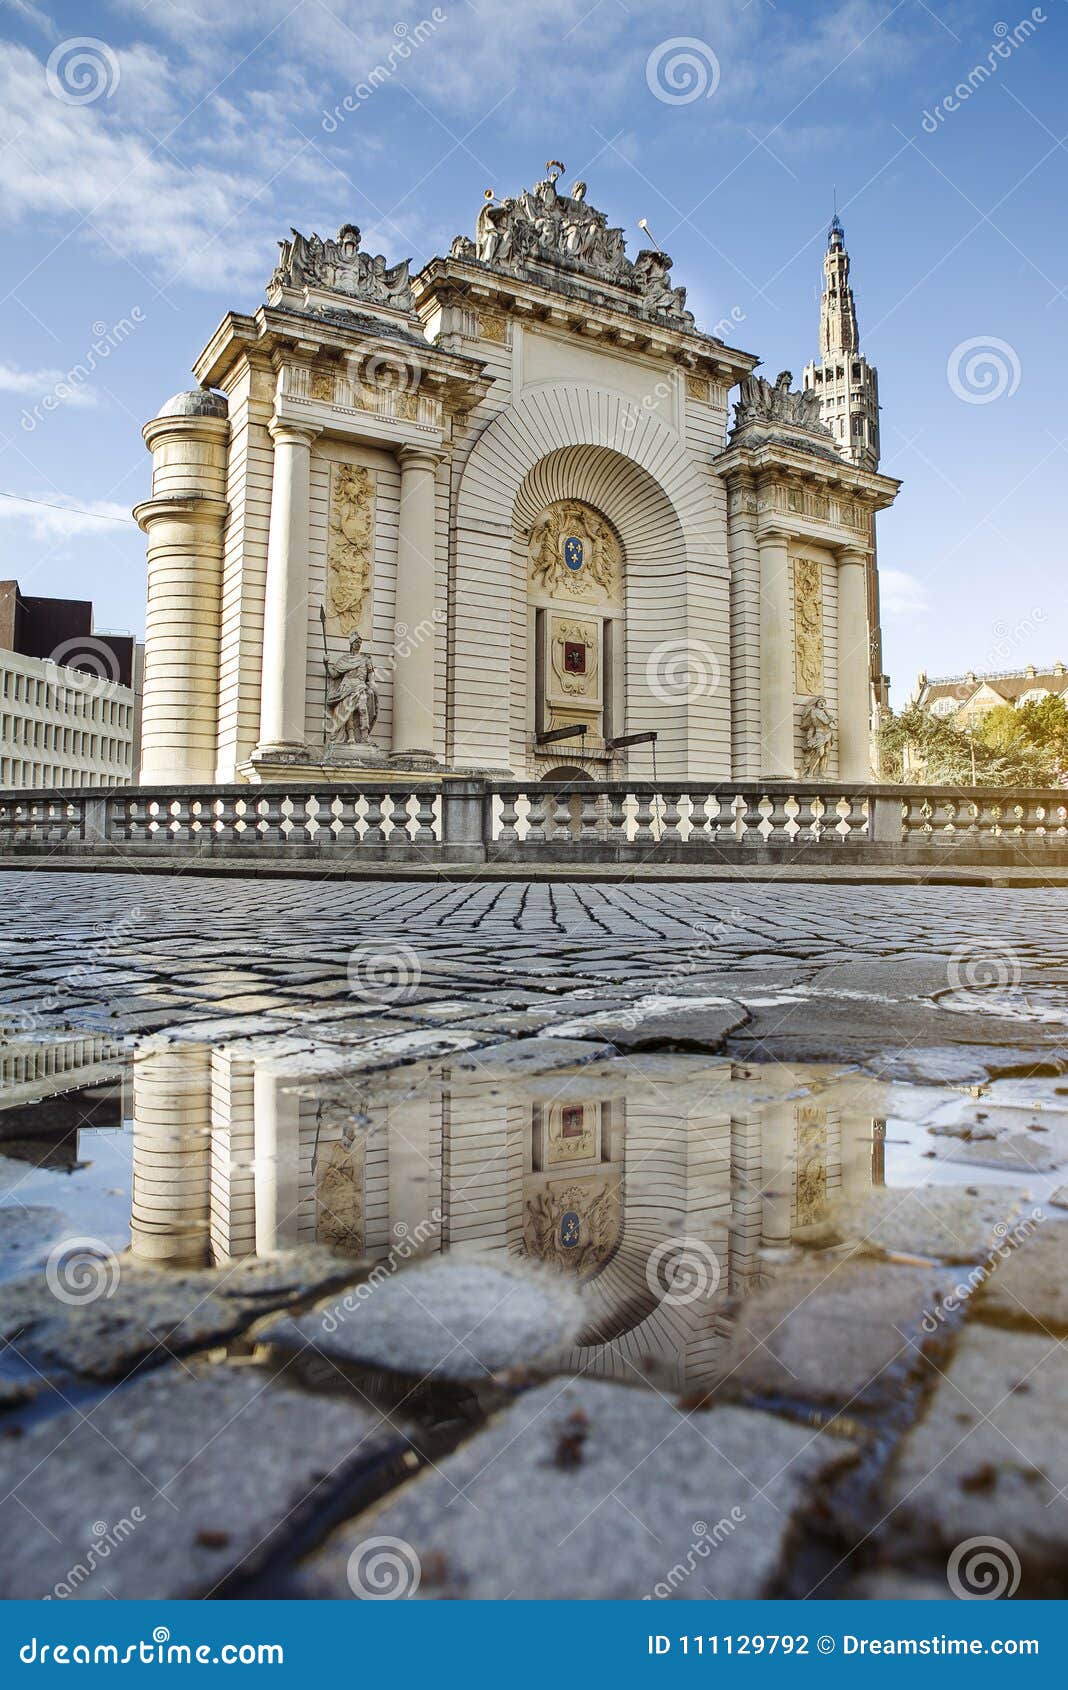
(496, 821)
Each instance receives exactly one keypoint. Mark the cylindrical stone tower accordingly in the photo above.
(184, 523)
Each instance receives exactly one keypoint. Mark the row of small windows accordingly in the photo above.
(826, 373)
(74, 699)
(16, 772)
(70, 742)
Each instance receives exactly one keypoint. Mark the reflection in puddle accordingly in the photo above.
(665, 1186)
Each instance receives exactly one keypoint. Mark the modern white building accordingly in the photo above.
(494, 518)
(60, 728)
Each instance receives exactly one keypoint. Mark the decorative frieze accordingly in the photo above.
(492, 327)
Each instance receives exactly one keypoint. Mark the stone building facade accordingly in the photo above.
(424, 523)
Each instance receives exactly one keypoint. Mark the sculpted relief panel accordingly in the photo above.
(575, 554)
(350, 549)
(808, 624)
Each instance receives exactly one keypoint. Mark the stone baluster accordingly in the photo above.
(592, 824)
(376, 819)
(509, 833)
(617, 814)
(560, 826)
(425, 818)
(776, 816)
(400, 816)
(645, 818)
(669, 817)
(538, 799)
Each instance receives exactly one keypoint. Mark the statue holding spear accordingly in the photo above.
(350, 699)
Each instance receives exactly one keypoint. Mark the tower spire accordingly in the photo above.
(839, 336)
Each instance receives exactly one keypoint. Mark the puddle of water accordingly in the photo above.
(192, 1156)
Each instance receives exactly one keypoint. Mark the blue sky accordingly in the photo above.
(145, 178)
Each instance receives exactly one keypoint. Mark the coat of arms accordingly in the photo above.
(575, 552)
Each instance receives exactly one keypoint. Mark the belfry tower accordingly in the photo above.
(846, 383)
(848, 387)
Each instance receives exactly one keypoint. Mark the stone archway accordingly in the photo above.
(567, 442)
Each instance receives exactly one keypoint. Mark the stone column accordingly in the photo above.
(283, 697)
(169, 1211)
(183, 521)
(276, 1142)
(854, 692)
(776, 657)
(413, 672)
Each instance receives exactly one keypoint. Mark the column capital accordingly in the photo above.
(419, 457)
(292, 434)
(851, 554)
(776, 532)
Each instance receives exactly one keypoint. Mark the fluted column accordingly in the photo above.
(776, 657)
(854, 692)
(413, 673)
(283, 697)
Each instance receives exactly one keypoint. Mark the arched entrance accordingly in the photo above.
(564, 444)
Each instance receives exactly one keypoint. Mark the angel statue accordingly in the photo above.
(351, 698)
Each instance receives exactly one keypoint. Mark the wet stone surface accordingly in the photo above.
(192, 1475)
(679, 1240)
(450, 1319)
(990, 1457)
(546, 1502)
(848, 1335)
(112, 1314)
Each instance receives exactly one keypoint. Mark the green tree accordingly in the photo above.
(919, 748)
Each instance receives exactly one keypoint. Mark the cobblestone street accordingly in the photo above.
(679, 1241)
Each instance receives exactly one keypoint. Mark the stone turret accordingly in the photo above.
(184, 523)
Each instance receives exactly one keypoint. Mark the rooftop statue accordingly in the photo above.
(542, 226)
(339, 266)
(759, 401)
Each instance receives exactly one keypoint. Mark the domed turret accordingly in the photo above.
(197, 402)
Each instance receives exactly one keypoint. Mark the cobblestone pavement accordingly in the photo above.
(389, 1325)
(975, 975)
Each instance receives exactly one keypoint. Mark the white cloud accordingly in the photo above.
(901, 594)
(38, 383)
(56, 518)
(81, 167)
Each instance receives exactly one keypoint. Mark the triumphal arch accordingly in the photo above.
(495, 518)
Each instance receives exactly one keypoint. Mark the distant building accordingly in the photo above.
(69, 698)
(971, 696)
(848, 389)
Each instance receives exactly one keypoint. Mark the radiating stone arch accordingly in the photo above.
(563, 440)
